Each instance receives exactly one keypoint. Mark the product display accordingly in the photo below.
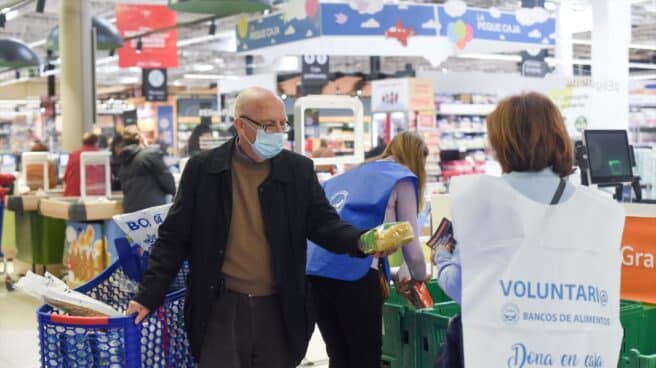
(386, 237)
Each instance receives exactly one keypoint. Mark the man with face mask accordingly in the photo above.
(242, 217)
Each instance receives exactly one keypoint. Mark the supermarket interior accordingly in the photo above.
(245, 127)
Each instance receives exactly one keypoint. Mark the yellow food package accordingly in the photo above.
(386, 237)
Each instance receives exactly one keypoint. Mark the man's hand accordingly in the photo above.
(138, 309)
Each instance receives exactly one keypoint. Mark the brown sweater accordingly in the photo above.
(248, 267)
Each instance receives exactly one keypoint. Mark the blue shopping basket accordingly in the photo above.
(86, 342)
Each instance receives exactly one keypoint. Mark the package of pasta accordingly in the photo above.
(386, 237)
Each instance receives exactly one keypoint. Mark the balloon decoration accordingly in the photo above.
(460, 33)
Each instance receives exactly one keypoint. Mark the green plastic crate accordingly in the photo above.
(648, 345)
(436, 292)
(432, 324)
(636, 360)
(631, 318)
(394, 311)
(410, 337)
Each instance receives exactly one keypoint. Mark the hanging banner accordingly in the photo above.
(638, 249)
(526, 26)
(394, 21)
(299, 21)
(159, 50)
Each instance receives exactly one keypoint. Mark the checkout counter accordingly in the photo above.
(52, 230)
(39, 241)
(89, 229)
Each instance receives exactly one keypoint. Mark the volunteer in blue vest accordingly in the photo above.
(510, 227)
(349, 292)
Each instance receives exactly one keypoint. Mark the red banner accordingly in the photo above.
(159, 49)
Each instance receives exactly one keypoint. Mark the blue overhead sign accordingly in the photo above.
(399, 21)
(343, 20)
(274, 30)
(494, 25)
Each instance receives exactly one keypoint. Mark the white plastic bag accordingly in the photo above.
(56, 293)
(142, 226)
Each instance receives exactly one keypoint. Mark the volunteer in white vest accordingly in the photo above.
(536, 267)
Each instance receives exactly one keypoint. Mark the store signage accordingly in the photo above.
(639, 260)
(159, 50)
(165, 125)
(276, 29)
(535, 68)
(154, 84)
(315, 69)
(389, 95)
(494, 25)
(389, 20)
(129, 117)
(421, 95)
(142, 226)
(397, 22)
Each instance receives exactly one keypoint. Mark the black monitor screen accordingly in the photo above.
(608, 156)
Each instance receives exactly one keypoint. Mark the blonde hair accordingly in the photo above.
(410, 150)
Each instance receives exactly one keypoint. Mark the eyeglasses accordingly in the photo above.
(273, 127)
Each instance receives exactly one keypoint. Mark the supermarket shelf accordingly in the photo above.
(463, 149)
(465, 109)
(644, 129)
(465, 131)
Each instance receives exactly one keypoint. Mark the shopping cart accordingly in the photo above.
(159, 341)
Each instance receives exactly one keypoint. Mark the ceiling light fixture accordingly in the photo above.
(40, 6)
(209, 76)
(129, 80)
(139, 45)
(202, 67)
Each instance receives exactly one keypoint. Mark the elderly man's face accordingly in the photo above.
(265, 111)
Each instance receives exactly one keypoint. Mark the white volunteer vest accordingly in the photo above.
(541, 283)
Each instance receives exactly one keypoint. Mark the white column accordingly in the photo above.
(76, 82)
(611, 35)
(564, 48)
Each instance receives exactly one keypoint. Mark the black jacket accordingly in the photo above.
(144, 177)
(294, 208)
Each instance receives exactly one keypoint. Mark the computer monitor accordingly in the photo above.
(609, 156)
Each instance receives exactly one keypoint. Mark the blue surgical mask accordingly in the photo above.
(267, 145)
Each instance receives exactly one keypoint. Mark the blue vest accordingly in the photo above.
(360, 197)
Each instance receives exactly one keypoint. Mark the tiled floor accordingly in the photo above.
(19, 341)
(18, 329)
